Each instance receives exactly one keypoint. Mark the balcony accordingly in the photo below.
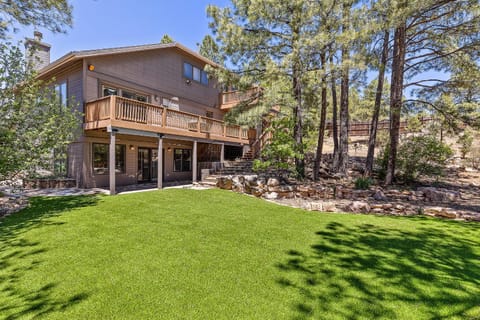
(126, 113)
(231, 98)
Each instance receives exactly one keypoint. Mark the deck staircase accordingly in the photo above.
(241, 166)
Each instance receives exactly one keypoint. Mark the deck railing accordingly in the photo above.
(232, 97)
(128, 110)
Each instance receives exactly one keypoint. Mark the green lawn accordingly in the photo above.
(189, 254)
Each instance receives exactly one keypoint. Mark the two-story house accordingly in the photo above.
(151, 114)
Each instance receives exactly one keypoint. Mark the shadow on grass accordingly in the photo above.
(372, 272)
(20, 257)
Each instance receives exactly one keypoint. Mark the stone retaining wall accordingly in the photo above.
(336, 197)
(49, 183)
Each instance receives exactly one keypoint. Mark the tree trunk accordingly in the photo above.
(297, 94)
(344, 95)
(334, 115)
(396, 93)
(376, 111)
(323, 115)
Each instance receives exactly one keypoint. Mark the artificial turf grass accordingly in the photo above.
(215, 254)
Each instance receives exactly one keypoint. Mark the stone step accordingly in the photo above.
(207, 183)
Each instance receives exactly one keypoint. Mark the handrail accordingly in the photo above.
(130, 110)
(260, 143)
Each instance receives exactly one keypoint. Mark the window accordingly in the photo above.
(134, 96)
(100, 158)
(182, 160)
(61, 92)
(187, 70)
(109, 91)
(204, 79)
(171, 103)
(193, 73)
(196, 74)
(129, 94)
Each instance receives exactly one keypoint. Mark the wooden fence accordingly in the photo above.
(362, 129)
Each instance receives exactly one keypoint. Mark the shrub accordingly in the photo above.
(423, 155)
(416, 156)
(465, 141)
(363, 183)
(281, 149)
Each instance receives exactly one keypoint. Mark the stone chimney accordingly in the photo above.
(37, 52)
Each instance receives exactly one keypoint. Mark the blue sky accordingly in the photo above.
(112, 23)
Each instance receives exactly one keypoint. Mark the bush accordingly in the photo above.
(416, 156)
(363, 183)
(424, 155)
(465, 141)
(281, 150)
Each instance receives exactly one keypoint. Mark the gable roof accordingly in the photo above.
(78, 55)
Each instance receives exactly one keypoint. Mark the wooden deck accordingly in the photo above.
(230, 99)
(126, 113)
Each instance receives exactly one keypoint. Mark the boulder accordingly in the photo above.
(238, 187)
(439, 195)
(251, 180)
(313, 206)
(224, 183)
(273, 182)
(359, 207)
(256, 191)
(440, 212)
(270, 195)
(329, 207)
(379, 196)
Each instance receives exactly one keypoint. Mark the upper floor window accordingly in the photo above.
(61, 91)
(193, 73)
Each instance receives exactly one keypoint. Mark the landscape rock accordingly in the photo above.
(440, 212)
(359, 207)
(379, 196)
(273, 182)
(224, 183)
(12, 204)
(329, 207)
(270, 195)
(439, 195)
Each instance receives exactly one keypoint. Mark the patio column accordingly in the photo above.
(160, 162)
(222, 153)
(111, 166)
(194, 162)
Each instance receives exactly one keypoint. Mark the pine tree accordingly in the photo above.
(430, 35)
(166, 39)
(209, 49)
(54, 15)
(267, 43)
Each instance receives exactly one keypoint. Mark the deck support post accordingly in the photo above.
(194, 162)
(222, 153)
(160, 162)
(111, 167)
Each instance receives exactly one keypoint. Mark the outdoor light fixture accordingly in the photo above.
(91, 67)
(169, 149)
(132, 147)
(188, 81)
